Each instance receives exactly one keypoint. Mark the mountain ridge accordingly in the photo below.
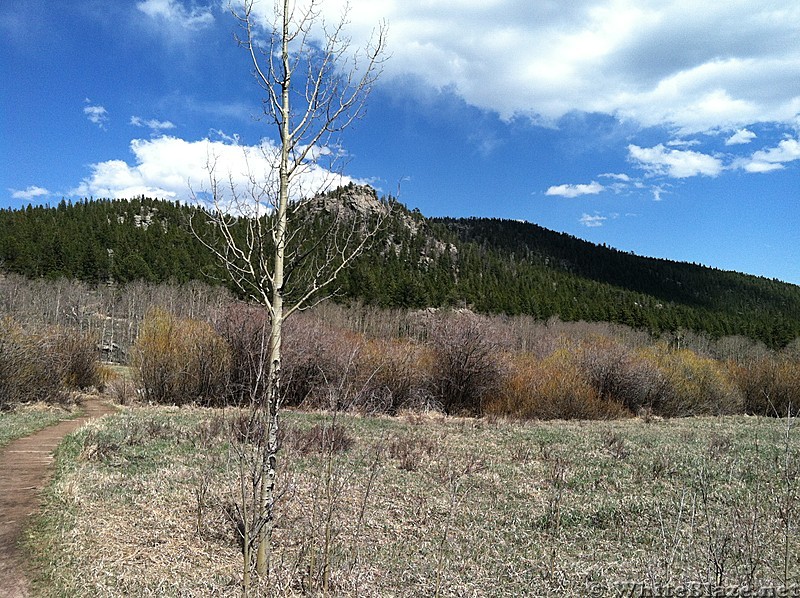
(490, 265)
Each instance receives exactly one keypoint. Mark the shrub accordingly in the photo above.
(466, 365)
(13, 357)
(553, 388)
(29, 367)
(322, 366)
(770, 385)
(618, 374)
(411, 450)
(77, 357)
(245, 328)
(180, 361)
(319, 364)
(121, 390)
(393, 375)
(693, 385)
(247, 428)
(319, 439)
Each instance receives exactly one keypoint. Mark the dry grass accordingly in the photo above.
(427, 505)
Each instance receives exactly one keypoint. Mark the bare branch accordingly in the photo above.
(313, 90)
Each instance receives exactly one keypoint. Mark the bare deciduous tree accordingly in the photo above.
(313, 88)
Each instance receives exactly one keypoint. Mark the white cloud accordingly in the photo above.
(774, 158)
(678, 164)
(740, 137)
(155, 125)
(29, 193)
(170, 167)
(657, 192)
(617, 176)
(695, 67)
(567, 190)
(593, 221)
(788, 150)
(761, 167)
(683, 142)
(621, 181)
(230, 139)
(96, 114)
(173, 13)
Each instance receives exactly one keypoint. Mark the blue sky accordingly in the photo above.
(669, 128)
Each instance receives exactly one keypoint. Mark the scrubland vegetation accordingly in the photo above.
(39, 365)
(418, 452)
(195, 344)
(460, 363)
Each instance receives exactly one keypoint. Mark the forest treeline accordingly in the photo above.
(490, 266)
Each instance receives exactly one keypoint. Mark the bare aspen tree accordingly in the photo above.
(314, 86)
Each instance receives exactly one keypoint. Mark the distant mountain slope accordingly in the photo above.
(101, 240)
(491, 265)
(674, 294)
(669, 280)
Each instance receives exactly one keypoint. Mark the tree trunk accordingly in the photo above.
(276, 313)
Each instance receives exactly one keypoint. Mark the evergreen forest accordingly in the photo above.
(491, 266)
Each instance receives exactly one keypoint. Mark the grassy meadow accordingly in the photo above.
(28, 419)
(424, 505)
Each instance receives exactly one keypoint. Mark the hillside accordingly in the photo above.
(493, 266)
(656, 293)
(102, 240)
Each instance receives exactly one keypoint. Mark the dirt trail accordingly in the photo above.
(24, 471)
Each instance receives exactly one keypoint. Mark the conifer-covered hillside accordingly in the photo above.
(489, 265)
(102, 240)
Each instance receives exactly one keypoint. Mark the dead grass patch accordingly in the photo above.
(416, 507)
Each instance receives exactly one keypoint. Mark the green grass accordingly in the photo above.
(454, 507)
(26, 420)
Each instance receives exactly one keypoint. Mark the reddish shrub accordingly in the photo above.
(319, 439)
(245, 329)
(393, 375)
(466, 363)
(618, 374)
(319, 364)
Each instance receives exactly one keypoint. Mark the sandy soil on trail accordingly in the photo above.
(24, 471)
